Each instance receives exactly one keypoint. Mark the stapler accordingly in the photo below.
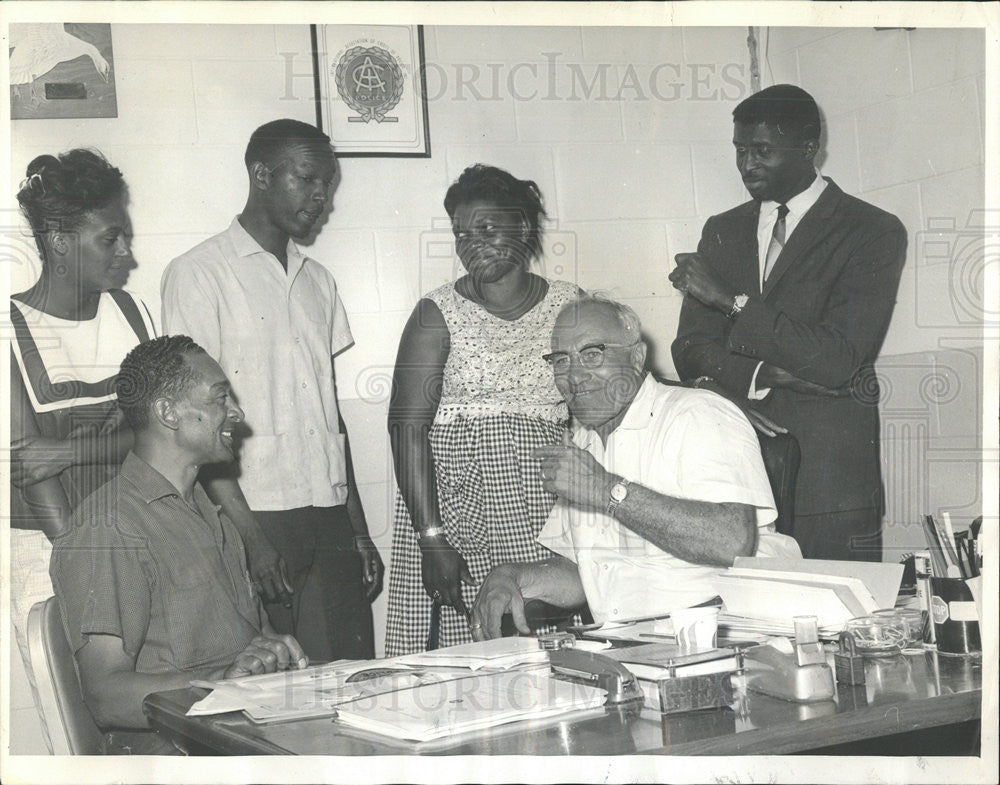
(599, 671)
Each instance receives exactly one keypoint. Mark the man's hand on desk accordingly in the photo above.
(772, 376)
(499, 594)
(267, 653)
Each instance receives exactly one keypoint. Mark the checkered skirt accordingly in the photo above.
(492, 507)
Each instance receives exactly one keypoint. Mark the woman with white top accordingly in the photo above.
(71, 330)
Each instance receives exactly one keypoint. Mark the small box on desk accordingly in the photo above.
(673, 680)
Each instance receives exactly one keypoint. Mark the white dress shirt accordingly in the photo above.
(798, 206)
(274, 333)
(684, 443)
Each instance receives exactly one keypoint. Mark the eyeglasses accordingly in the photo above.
(590, 356)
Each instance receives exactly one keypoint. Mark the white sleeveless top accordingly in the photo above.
(495, 366)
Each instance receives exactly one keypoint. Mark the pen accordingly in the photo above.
(952, 543)
(962, 544)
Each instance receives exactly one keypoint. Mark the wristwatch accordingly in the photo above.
(617, 495)
(739, 303)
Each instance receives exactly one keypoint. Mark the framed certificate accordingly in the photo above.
(370, 94)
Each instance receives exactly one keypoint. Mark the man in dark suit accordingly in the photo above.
(786, 304)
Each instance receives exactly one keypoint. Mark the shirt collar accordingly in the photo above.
(799, 204)
(245, 245)
(641, 409)
(151, 484)
(638, 415)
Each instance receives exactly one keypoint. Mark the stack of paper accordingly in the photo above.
(313, 692)
(760, 629)
(496, 654)
(762, 595)
(476, 702)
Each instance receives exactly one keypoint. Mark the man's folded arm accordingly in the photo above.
(699, 532)
(700, 348)
(855, 319)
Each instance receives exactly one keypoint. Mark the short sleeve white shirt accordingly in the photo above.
(274, 333)
(684, 443)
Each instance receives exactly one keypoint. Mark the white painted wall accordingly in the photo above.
(630, 168)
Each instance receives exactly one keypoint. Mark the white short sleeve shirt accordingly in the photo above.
(685, 443)
(274, 333)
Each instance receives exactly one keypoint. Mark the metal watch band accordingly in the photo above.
(612, 501)
(739, 303)
(430, 531)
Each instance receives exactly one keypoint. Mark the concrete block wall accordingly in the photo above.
(627, 132)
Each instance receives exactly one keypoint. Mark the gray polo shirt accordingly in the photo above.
(167, 577)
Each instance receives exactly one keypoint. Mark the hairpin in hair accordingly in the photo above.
(34, 182)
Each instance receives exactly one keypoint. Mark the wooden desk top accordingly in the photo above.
(901, 694)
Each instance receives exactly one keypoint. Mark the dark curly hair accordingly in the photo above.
(154, 369)
(58, 192)
(481, 182)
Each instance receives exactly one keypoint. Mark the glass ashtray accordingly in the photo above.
(878, 636)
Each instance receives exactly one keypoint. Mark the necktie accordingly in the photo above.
(777, 240)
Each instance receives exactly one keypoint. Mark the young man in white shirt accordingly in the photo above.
(273, 319)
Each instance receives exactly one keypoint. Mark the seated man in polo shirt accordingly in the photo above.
(660, 488)
(152, 580)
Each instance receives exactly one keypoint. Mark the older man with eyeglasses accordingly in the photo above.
(660, 487)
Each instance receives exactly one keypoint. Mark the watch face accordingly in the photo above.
(618, 491)
(741, 300)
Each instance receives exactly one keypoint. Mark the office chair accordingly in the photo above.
(72, 729)
(781, 461)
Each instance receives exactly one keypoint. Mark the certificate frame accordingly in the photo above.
(371, 96)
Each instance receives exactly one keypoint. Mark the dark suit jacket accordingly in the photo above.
(822, 316)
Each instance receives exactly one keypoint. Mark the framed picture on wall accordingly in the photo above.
(370, 93)
(61, 70)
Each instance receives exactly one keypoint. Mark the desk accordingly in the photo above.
(901, 694)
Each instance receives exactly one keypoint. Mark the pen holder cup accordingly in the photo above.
(956, 622)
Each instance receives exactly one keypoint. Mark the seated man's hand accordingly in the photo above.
(574, 475)
(499, 594)
(267, 653)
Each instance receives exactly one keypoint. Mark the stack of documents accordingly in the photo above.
(761, 629)
(322, 690)
(496, 654)
(314, 692)
(472, 703)
(762, 595)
